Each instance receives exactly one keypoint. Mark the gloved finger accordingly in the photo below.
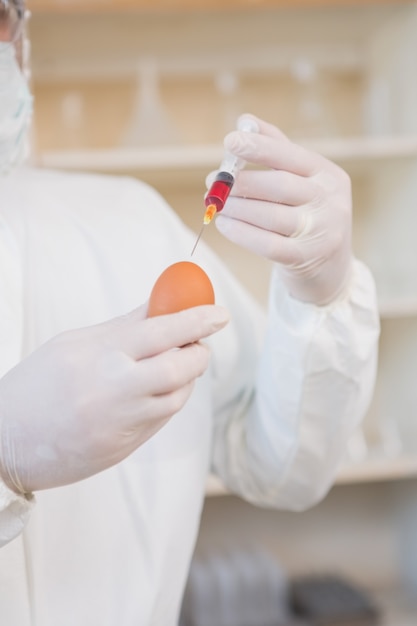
(165, 332)
(276, 186)
(169, 371)
(276, 218)
(149, 415)
(158, 387)
(277, 154)
(264, 128)
(159, 410)
(265, 243)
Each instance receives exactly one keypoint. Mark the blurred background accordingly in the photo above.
(149, 88)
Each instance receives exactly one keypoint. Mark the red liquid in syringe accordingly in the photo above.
(217, 195)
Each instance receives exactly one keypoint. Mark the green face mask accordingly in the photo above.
(16, 105)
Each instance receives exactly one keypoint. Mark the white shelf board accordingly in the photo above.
(151, 158)
(369, 470)
(215, 487)
(379, 468)
(192, 157)
(366, 148)
(398, 307)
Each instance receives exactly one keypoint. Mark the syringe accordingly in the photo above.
(220, 188)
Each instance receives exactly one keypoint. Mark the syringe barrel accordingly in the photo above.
(230, 162)
(222, 185)
(219, 190)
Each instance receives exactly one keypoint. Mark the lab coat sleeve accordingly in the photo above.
(14, 509)
(280, 444)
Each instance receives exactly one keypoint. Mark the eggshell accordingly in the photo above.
(181, 286)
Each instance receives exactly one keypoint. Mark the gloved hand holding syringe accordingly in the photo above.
(223, 182)
(293, 208)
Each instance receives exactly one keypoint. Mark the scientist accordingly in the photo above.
(107, 434)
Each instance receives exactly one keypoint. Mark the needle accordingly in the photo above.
(198, 239)
(208, 216)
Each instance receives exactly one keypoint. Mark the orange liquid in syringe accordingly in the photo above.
(217, 195)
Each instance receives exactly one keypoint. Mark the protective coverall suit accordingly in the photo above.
(270, 416)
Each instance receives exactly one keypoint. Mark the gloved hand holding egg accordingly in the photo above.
(95, 394)
(296, 212)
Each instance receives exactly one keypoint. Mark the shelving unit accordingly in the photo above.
(70, 6)
(358, 151)
(353, 63)
(367, 471)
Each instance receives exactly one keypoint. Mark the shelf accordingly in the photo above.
(364, 149)
(78, 6)
(128, 159)
(376, 469)
(398, 308)
(349, 150)
(215, 487)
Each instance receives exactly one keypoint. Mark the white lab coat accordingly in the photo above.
(115, 549)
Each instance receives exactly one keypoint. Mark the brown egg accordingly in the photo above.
(181, 286)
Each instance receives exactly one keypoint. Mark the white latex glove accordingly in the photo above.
(88, 398)
(297, 212)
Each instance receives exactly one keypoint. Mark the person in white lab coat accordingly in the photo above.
(107, 433)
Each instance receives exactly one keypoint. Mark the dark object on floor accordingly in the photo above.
(332, 601)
